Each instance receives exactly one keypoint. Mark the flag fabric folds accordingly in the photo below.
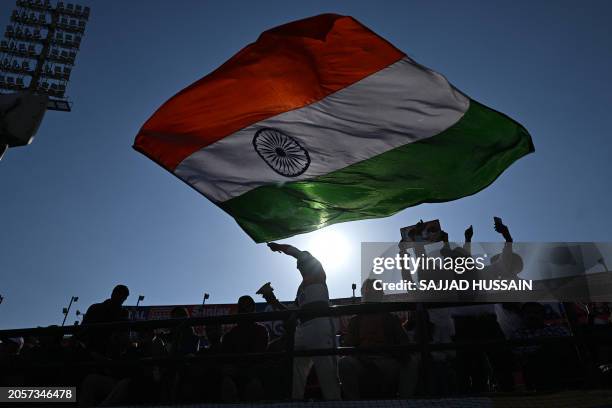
(322, 121)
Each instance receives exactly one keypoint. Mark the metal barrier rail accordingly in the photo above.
(423, 346)
(341, 351)
(332, 311)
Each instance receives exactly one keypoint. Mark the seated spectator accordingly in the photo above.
(534, 325)
(479, 369)
(214, 332)
(150, 383)
(182, 339)
(140, 383)
(600, 314)
(246, 337)
(11, 373)
(206, 379)
(150, 344)
(11, 346)
(600, 324)
(441, 373)
(277, 383)
(372, 375)
(541, 365)
(48, 349)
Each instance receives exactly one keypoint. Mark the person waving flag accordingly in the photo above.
(322, 121)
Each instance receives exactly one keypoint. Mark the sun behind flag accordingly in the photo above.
(322, 121)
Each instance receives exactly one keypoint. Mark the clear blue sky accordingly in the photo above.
(81, 211)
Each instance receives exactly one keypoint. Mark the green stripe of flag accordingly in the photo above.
(458, 162)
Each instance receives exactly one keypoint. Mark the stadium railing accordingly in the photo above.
(422, 346)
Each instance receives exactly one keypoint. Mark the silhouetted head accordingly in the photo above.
(369, 293)
(513, 266)
(51, 339)
(120, 294)
(246, 304)
(179, 312)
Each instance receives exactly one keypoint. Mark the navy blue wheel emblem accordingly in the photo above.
(282, 153)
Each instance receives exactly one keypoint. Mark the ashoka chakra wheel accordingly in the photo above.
(282, 153)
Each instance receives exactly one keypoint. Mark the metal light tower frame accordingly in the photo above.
(40, 47)
(66, 310)
(206, 296)
(140, 298)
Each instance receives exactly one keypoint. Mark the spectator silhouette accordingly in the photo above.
(205, 380)
(541, 365)
(11, 373)
(478, 369)
(507, 264)
(214, 333)
(105, 341)
(318, 332)
(110, 310)
(182, 339)
(372, 375)
(246, 337)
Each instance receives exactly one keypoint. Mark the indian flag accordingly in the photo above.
(322, 121)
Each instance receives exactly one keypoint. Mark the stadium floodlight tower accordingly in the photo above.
(37, 55)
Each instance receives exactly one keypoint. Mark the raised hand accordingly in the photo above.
(274, 246)
(469, 233)
(502, 229)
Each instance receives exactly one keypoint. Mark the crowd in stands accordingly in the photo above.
(57, 359)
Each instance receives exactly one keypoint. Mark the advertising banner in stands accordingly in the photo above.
(275, 328)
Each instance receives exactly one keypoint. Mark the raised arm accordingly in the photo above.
(268, 294)
(503, 230)
(467, 245)
(511, 261)
(274, 302)
(285, 249)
